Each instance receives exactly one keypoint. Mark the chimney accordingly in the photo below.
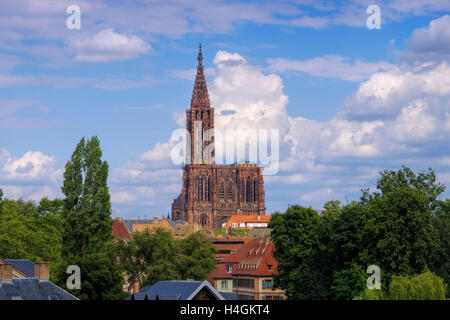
(42, 270)
(155, 220)
(6, 271)
(136, 287)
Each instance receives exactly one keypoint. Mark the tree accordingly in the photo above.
(27, 234)
(341, 241)
(101, 279)
(424, 286)
(296, 240)
(87, 206)
(391, 180)
(155, 255)
(441, 256)
(400, 237)
(197, 257)
(87, 233)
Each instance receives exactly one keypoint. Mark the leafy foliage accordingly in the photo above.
(424, 286)
(27, 231)
(87, 233)
(403, 228)
(155, 255)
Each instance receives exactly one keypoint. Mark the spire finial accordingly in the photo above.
(200, 56)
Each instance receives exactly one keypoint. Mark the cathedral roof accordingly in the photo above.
(200, 97)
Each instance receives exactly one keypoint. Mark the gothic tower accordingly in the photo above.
(212, 193)
(200, 120)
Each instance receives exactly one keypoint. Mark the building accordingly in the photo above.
(178, 290)
(226, 246)
(179, 228)
(249, 272)
(212, 193)
(18, 281)
(248, 221)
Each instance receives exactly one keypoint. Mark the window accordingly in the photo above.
(224, 284)
(267, 298)
(53, 297)
(16, 298)
(267, 284)
(221, 192)
(230, 192)
(269, 267)
(229, 268)
(234, 224)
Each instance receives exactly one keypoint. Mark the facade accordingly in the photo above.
(179, 228)
(212, 193)
(248, 221)
(249, 271)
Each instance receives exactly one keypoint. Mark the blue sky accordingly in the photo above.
(348, 101)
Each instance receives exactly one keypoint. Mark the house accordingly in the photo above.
(226, 246)
(19, 282)
(247, 221)
(179, 228)
(249, 272)
(178, 290)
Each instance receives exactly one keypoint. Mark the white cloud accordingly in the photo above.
(107, 46)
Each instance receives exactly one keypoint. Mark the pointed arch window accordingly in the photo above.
(221, 192)
(230, 192)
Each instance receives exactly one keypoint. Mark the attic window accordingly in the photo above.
(269, 267)
(229, 268)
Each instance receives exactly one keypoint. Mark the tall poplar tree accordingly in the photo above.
(87, 234)
(87, 206)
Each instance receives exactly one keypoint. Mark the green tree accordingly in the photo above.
(424, 286)
(441, 256)
(400, 237)
(197, 256)
(341, 241)
(425, 182)
(371, 294)
(87, 233)
(296, 240)
(149, 257)
(155, 255)
(27, 234)
(87, 206)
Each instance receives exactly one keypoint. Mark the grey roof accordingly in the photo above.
(26, 266)
(32, 289)
(174, 290)
(229, 295)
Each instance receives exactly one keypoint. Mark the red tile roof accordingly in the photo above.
(253, 258)
(242, 218)
(220, 272)
(119, 230)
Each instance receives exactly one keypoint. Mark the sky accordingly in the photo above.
(349, 101)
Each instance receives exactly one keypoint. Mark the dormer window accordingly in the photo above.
(229, 268)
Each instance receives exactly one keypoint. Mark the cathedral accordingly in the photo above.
(212, 193)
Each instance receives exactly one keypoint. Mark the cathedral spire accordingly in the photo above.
(200, 97)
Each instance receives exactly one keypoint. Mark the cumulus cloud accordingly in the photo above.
(31, 176)
(108, 45)
(431, 43)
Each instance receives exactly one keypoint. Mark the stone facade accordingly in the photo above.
(212, 193)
